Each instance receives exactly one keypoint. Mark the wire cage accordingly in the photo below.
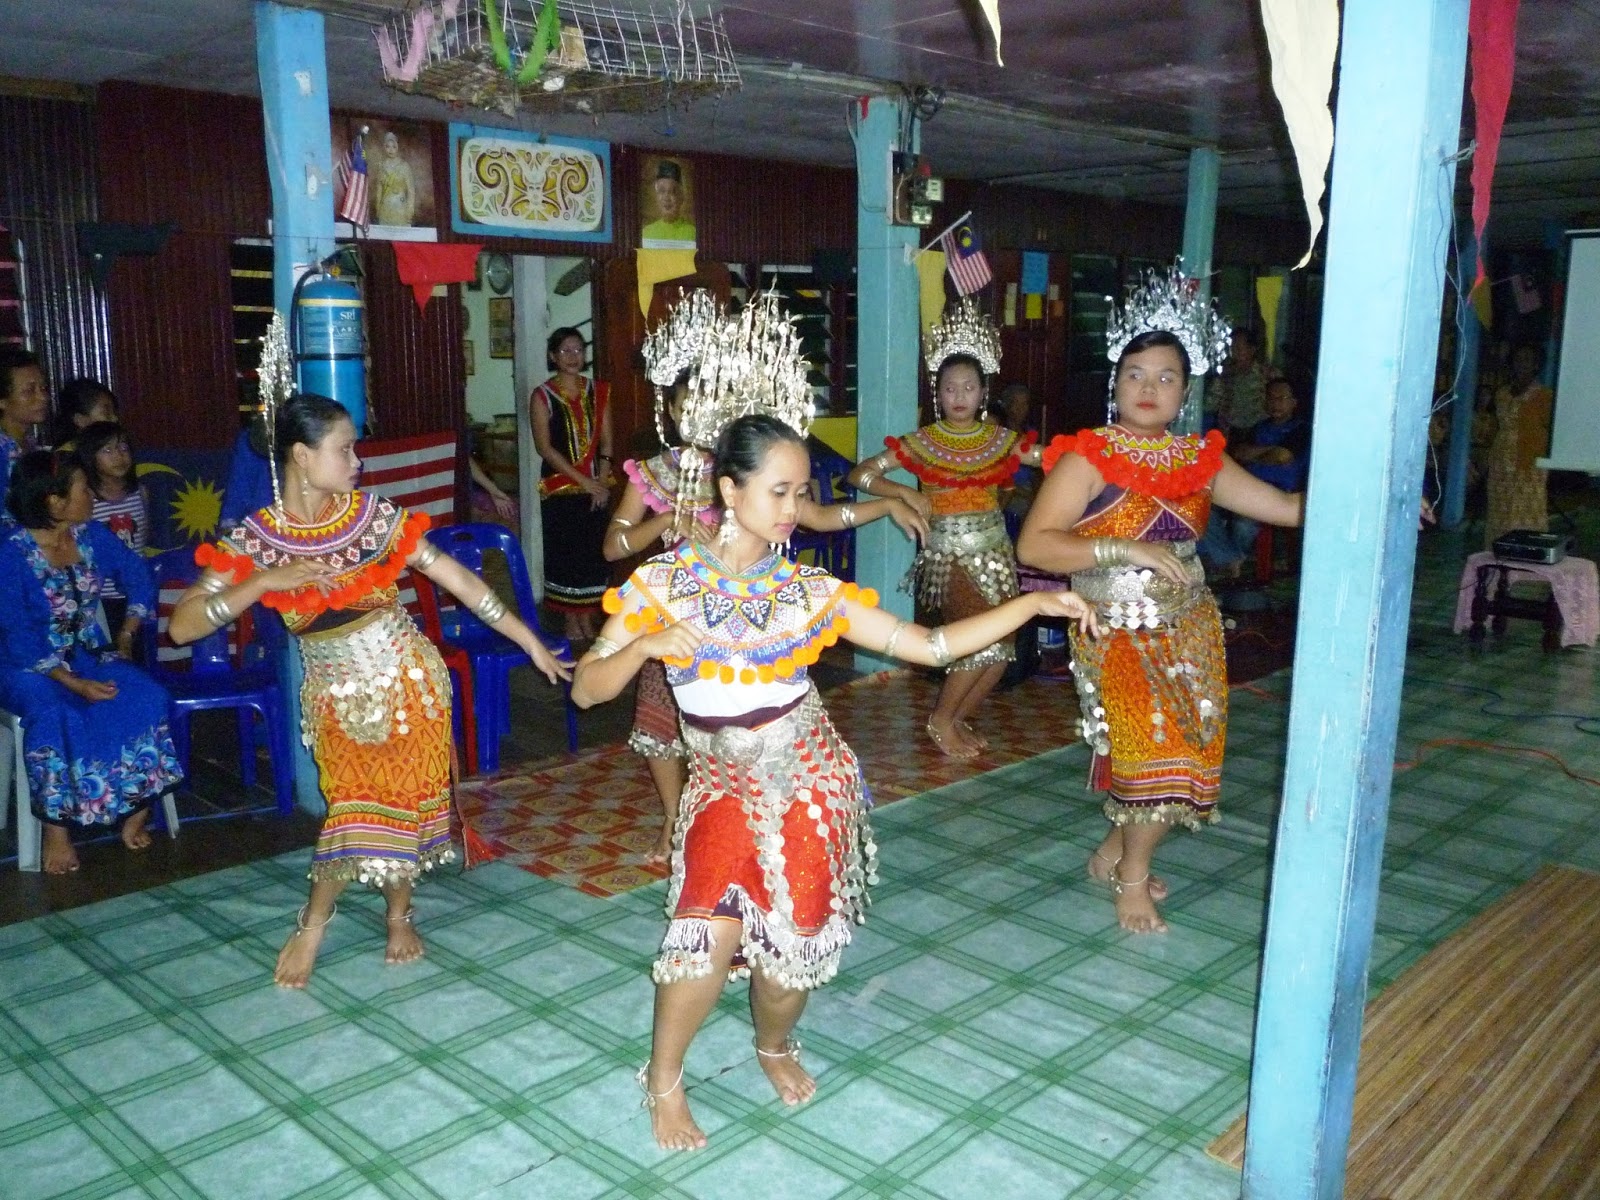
(608, 58)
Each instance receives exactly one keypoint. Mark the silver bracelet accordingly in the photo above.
(847, 514)
(490, 608)
(426, 555)
(622, 540)
(888, 647)
(1111, 552)
(212, 584)
(216, 611)
(622, 522)
(866, 480)
(937, 648)
(603, 647)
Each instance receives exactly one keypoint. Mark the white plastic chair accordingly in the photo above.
(29, 835)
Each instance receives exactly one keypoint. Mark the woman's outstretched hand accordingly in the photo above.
(911, 522)
(1072, 606)
(553, 668)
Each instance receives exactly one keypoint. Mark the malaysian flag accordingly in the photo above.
(353, 178)
(965, 260)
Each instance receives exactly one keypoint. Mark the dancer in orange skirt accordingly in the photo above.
(1120, 511)
(376, 697)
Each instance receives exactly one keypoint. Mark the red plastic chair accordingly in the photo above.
(464, 713)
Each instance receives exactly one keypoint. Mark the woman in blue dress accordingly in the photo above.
(95, 727)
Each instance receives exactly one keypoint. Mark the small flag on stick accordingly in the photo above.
(353, 177)
(965, 260)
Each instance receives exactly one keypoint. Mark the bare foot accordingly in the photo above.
(787, 1076)
(661, 854)
(950, 740)
(299, 953)
(1100, 868)
(671, 1122)
(1136, 912)
(974, 739)
(404, 944)
(134, 834)
(60, 857)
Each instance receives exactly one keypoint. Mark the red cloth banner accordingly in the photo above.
(1492, 41)
(424, 265)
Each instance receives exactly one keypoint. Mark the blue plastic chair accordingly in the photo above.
(493, 656)
(215, 680)
(835, 551)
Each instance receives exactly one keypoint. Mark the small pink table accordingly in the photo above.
(1573, 609)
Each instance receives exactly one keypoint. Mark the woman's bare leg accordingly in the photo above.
(775, 1009)
(404, 945)
(299, 953)
(681, 1008)
(1136, 910)
(669, 776)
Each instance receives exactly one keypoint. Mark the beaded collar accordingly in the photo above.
(365, 541)
(658, 480)
(987, 455)
(1168, 466)
(770, 622)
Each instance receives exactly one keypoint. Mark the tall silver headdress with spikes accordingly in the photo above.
(747, 363)
(964, 329)
(1170, 300)
(275, 384)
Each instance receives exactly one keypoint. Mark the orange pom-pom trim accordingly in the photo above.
(708, 670)
(747, 676)
(236, 567)
(726, 674)
(869, 597)
(996, 476)
(631, 622)
(373, 577)
(611, 601)
(1119, 469)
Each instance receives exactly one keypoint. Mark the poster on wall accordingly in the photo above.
(383, 179)
(507, 183)
(667, 204)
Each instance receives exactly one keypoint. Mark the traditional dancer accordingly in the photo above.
(1120, 511)
(773, 852)
(376, 697)
(961, 462)
(650, 509)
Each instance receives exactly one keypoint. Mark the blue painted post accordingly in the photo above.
(887, 331)
(1398, 125)
(1469, 336)
(1199, 235)
(292, 61)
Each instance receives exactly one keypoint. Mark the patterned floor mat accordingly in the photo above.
(588, 822)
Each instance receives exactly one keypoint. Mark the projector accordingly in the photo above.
(1527, 545)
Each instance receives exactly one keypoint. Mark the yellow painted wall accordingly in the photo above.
(837, 432)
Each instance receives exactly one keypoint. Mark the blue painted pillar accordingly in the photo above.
(888, 344)
(1199, 235)
(1398, 126)
(292, 61)
(1469, 336)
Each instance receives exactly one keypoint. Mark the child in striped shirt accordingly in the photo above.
(119, 500)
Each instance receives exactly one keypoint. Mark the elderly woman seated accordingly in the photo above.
(95, 727)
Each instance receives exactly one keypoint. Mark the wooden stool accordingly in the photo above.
(1502, 606)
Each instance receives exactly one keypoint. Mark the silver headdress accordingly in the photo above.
(964, 330)
(1170, 301)
(749, 363)
(275, 384)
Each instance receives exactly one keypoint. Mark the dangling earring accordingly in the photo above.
(729, 528)
(305, 495)
(1111, 400)
(938, 413)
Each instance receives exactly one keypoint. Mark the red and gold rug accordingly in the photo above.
(588, 821)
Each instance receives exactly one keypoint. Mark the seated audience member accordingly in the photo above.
(1277, 451)
(80, 403)
(98, 746)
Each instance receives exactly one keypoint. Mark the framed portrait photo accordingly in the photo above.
(502, 333)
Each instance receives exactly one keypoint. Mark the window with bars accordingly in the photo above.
(250, 271)
(825, 314)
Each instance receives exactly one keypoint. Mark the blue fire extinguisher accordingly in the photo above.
(328, 342)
